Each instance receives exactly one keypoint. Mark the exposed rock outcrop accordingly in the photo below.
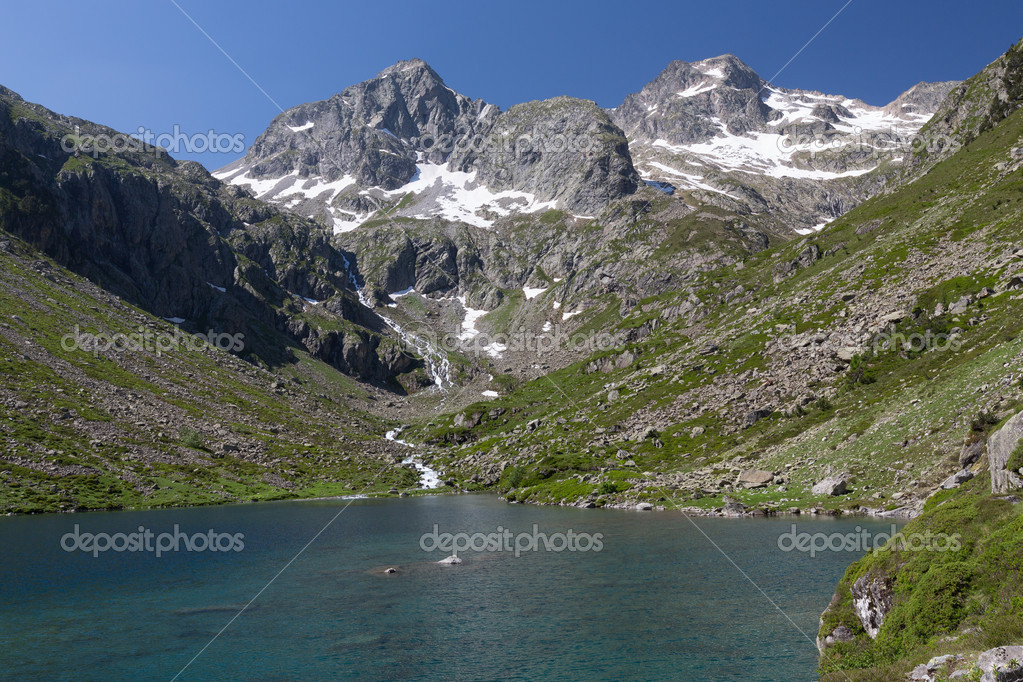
(1000, 448)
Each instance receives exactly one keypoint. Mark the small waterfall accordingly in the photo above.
(429, 479)
(438, 366)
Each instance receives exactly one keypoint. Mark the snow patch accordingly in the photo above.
(532, 293)
(284, 188)
(458, 196)
(494, 349)
(712, 71)
(694, 90)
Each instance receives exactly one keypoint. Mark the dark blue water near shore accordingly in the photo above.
(659, 601)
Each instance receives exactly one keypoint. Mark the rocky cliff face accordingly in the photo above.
(710, 135)
(970, 108)
(1000, 448)
(921, 99)
(167, 236)
(562, 150)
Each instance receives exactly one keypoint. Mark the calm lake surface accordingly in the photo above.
(658, 601)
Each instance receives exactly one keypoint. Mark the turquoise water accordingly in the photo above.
(658, 601)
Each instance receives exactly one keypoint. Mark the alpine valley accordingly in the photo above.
(721, 296)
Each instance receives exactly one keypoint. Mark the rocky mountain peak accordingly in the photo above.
(689, 102)
(340, 158)
(921, 99)
(690, 79)
(406, 66)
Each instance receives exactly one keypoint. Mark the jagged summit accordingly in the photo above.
(717, 130)
(339, 159)
(727, 70)
(713, 129)
(405, 66)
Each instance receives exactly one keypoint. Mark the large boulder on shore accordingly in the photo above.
(754, 478)
(831, 486)
(1000, 447)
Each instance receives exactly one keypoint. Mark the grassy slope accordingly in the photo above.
(904, 427)
(953, 602)
(85, 430)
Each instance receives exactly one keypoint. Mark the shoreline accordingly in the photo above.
(739, 511)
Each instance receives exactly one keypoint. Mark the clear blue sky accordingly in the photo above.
(131, 63)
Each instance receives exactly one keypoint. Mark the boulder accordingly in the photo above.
(928, 671)
(956, 479)
(840, 634)
(754, 478)
(644, 506)
(831, 486)
(995, 663)
(971, 453)
(872, 600)
(753, 417)
(733, 508)
(961, 305)
(647, 433)
(468, 420)
(893, 317)
(1000, 447)
(847, 353)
